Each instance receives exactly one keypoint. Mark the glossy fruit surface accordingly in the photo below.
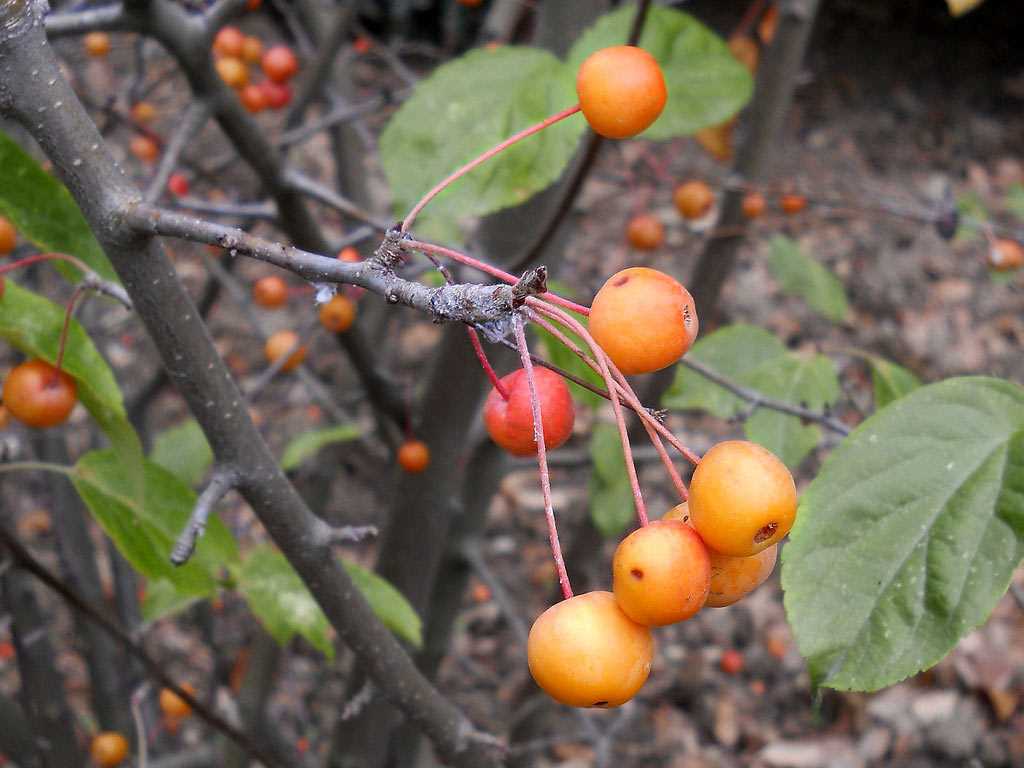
(731, 662)
(1005, 255)
(252, 50)
(8, 236)
(792, 203)
(510, 422)
(108, 749)
(172, 705)
(350, 254)
(177, 184)
(143, 112)
(742, 498)
(253, 98)
(279, 344)
(585, 652)
(661, 573)
(144, 148)
(270, 292)
(39, 395)
(229, 41)
(621, 90)
(693, 199)
(279, 63)
(643, 319)
(733, 578)
(97, 44)
(233, 71)
(338, 314)
(680, 512)
(414, 456)
(753, 205)
(278, 95)
(645, 232)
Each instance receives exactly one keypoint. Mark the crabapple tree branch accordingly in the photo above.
(191, 124)
(108, 202)
(221, 483)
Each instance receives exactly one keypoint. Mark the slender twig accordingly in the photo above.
(302, 184)
(90, 280)
(221, 482)
(542, 457)
(267, 211)
(474, 339)
(470, 551)
(195, 117)
(141, 737)
(154, 668)
(760, 400)
(110, 18)
(458, 174)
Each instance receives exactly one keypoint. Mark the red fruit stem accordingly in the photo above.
(542, 457)
(749, 17)
(606, 365)
(624, 391)
(35, 258)
(486, 268)
(411, 217)
(68, 313)
(474, 339)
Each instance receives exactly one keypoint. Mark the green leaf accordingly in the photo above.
(754, 358)
(278, 596)
(611, 497)
(811, 382)
(706, 84)
(1014, 201)
(558, 354)
(891, 381)
(281, 601)
(388, 603)
(973, 212)
(308, 444)
(183, 451)
(33, 324)
(910, 533)
(466, 107)
(802, 276)
(736, 352)
(162, 599)
(145, 530)
(43, 211)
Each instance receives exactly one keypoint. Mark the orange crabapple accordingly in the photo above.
(38, 395)
(1005, 255)
(413, 456)
(279, 63)
(585, 652)
(510, 422)
(732, 578)
(177, 184)
(270, 292)
(277, 95)
(108, 749)
(645, 232)
(745, 51)
(97, 44)
(143, 112)
(253, 98)
(229, 41)
(252, 49)
(792, 203)
(279, 344)
(338, 314)
(742, 498)
(233, 71)
(753, 205)
(144, 148)
(621, 91)
(766, 27)
(643, 319)
(8, 236)
(172, 705)
(661, 573)
(693, 199)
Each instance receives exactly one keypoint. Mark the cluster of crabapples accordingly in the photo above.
(109, 749)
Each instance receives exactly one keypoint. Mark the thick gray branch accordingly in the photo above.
(107, 199)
